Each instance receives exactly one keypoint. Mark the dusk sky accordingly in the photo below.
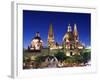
(39, 21)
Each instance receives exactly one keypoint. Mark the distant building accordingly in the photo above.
(71, 41)
(36, 43)
(51, 42)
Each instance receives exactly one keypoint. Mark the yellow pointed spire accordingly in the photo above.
(51, 30)
(75, 30)
(51, 41)
(50, 33)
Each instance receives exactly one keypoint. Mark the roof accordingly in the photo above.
(37, 38)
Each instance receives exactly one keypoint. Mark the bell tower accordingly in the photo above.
(69, 28)
(51, 37)
(75, 32)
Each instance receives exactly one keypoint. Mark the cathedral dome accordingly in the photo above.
(69, 36)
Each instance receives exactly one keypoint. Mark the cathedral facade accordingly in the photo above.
(71, 42)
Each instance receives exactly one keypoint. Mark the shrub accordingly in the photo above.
(86, 56)
(60, 56)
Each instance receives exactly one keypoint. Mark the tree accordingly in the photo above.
(60, 56)
(39, 59)
(86, 57)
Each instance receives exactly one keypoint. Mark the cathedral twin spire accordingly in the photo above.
(75, 32)
(70, 29)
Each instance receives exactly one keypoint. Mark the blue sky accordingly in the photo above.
(39, 21)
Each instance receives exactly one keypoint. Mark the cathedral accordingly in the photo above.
(71, 42)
